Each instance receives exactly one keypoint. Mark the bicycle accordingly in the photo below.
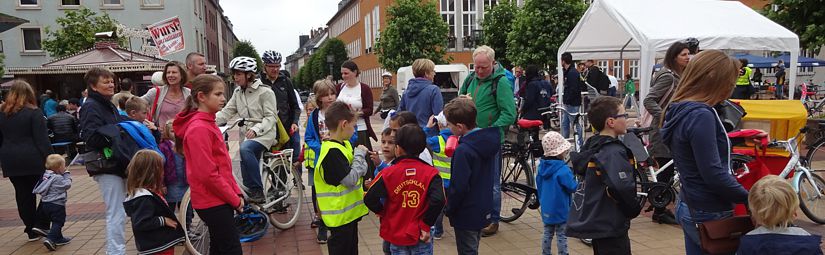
(809, 186)
(518, 156)
(577, 122)
(284, 194)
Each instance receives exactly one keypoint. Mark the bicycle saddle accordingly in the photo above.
(527, 124)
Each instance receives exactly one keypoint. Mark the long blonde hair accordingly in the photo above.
(20, 95)
(709, 78)
(145, 171)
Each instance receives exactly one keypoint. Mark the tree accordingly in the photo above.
(76, 31)
(414, 30)
(806, 18)
(338, 50)
(540, 28)
(244, 48)
(497, 23)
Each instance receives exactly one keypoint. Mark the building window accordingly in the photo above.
(490, 3)
(376, 24)
(70, 3)
(367, 32)
(31, 39)
(448, 14)
(151, 3)
(28, 3)
(618, 69)
(602, 64)
(634, 69)
(470, 22)
(111, 4)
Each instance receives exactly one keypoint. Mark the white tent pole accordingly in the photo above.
(560, 78)
(646, 63)
(792, 72)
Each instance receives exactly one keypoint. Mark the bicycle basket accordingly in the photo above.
(252, 224)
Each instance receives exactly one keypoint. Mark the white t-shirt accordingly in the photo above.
(352, 97)
(322, 127)
(613, 82)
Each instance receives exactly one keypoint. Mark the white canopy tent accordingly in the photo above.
(641, 29)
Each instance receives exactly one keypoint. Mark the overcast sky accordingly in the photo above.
(276, 24)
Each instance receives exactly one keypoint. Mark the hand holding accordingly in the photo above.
(250, 134)
(425, 236)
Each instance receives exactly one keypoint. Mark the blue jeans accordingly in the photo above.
(688, 222)
(57, 216)
(295, 141)
(419, 249)
(566, 119)
(466, 241)
(561, 238)
(251, 152)
(495, 215)
(438, 228)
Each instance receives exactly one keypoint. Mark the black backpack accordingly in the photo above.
(598, 79)
(582, 162)
(472, 76)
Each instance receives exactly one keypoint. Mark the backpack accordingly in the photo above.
(134, 136)
(583, 161)
(472, 77)
(600, 80)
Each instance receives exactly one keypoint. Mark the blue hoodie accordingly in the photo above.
(792, 240)
(423, 98)
(701, 152)
(471, 184)
(554, 183)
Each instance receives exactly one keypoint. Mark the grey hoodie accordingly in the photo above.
(52, 187)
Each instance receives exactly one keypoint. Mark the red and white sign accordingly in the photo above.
(168, 36)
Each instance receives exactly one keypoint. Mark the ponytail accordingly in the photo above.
(203, 83)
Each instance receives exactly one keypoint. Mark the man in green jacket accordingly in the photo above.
(493, 110)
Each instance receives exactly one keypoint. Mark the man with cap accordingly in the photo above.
(289, 110)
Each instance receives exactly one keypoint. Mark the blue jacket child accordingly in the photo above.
(554, 183)
(469, 204)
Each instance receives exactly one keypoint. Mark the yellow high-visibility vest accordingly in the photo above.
(339, 204)
(441, 161)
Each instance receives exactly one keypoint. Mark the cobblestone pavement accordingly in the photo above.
(86, 221)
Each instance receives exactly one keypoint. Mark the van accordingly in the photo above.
(447, 77)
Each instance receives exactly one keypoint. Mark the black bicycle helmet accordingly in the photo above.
(252, 224)
(271, 57)
(693, 45)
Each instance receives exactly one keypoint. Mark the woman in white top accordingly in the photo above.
(359, 97)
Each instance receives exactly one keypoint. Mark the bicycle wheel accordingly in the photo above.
(196, 232)
(284, 196)
(812, 197)
(515, 174)
(642, 184)
(815, 158)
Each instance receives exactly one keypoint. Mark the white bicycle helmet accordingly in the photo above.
(386, 74)
(271, 57)
(245, 64)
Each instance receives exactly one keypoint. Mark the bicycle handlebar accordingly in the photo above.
(640, 131)
(571, 114)
(239, 122)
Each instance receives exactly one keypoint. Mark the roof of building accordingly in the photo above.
(8, 22)
(103, 54)
(341, 10)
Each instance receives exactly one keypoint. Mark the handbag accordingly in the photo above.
(722, 236)
(647, 119)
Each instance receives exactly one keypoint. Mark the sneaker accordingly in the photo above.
(664, 218)
(490, 230)
(315, 223)
(586, 241)
(438, 236)
(50, 245)
(40, 232)
(66, 240)
(33, 236)
(256, 198)
(322, 235)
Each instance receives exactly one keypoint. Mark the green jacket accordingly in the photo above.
(629, 87)
(492, 111)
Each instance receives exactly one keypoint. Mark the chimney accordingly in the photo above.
(105, 40)
(303, 39)
(342, 4)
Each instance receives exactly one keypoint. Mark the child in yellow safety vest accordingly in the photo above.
(339, 179)
(437, 142)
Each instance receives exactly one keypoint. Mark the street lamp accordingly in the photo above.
(330, 60)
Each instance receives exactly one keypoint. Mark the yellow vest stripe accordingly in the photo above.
(441, 161)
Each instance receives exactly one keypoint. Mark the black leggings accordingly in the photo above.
(223, 236)
(343, 239)
(27, 201)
